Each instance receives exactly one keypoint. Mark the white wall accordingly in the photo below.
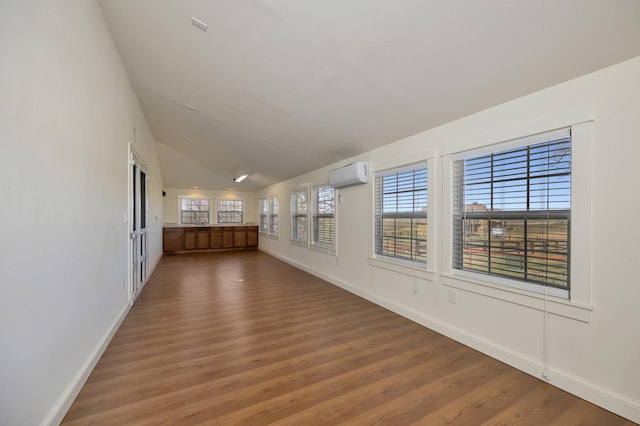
(171, 203)
(66, 117)
(593, 340)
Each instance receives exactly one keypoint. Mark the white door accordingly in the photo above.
(138, 229)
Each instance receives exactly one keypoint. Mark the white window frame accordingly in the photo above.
(263, 215)
(296, 214)
(218, 211)
(378, 214)
(527, 285)
(266, 216)
(331, 247)
(578, 306)
(185, 197)
(274, 221)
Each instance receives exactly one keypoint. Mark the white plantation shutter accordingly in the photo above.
(324, 220)
(273, 216)
(264, 218)
(299, 216)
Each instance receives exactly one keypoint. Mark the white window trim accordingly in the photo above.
(405, 266)
(429, 271)
(270, 214)
(260, 200)
(230, 199)
(188, 197)
(331, 249)
(578, 306)
(501, 147)
(297, 241)
(268, 233)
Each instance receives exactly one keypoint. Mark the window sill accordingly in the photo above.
(402, 268)
(554, 305)
(266, 235)
(323, 249)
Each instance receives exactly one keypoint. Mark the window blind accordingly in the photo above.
(230, 211)
(299, 216)
(512, 212)
(194, 210)
(401, 213)
(324, 221)
(264, 218)
(273, 216)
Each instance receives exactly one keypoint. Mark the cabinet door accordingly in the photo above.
(252, 237)
(227, 237)
(239, 238)
(190, 239)
(202, 239)
(215, 239)
(173, 239)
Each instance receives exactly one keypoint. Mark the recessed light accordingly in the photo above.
(191, 107)
(195, 186)
(198, 24)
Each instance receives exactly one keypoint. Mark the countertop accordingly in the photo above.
(208, 225)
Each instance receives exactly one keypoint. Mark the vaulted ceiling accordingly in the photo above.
(282, 87)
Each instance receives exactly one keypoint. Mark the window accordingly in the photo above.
(264, 218)
(299, 217)
(269, 215)
(401, 213)
(194, 211)
(324, 221)
(512, 211)
(273, 216)
(230, 211)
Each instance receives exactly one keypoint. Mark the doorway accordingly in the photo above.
(138, 226)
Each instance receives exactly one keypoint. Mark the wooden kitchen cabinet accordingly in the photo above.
(252, 236)
(196, 238)
(245, 236)
(173, 239)
(227, 237)
(214, 238)
(239, 237)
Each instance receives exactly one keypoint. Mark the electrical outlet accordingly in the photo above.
(452, 296)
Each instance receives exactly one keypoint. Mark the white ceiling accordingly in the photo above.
(283, 87)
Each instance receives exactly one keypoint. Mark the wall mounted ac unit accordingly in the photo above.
(352, 174)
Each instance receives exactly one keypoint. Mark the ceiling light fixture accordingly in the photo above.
(240, 175)
(240, 178)
(191, 107)
(199, 24)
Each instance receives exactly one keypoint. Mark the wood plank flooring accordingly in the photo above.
(244, 339)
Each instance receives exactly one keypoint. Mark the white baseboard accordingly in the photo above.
(605, 398)
(62, 405)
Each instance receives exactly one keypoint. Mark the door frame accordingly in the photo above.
(138, 225)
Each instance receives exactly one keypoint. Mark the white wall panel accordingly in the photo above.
(595, 355)
(66, 119)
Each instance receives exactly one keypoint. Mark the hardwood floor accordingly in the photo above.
(243, 338)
